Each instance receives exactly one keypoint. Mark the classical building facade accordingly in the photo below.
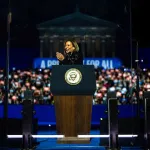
(96, 37)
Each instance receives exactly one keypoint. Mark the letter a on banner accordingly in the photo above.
(42, 64)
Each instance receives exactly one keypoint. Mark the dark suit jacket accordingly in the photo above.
(76, 58)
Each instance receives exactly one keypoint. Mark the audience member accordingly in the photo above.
(38, 81)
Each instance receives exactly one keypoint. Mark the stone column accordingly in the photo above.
(51, 47)
(46, 49)
(93, 49)
(89, 48)
(83, 47)
(61, 45)
(97, 47)
(103, 42)
(113, 48)
(41, 48)
(56, 45)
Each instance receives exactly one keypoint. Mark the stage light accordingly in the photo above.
(106, 136)
(93, 136)
(37, 136)
(79, 136)
(14, 136)
(48, 136)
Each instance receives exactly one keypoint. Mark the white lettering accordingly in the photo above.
(106, 64)
(92, 62)
(49, 64)
(111, 64)
(52, 62)
(88, 62)
(42, 64)
(96, 63)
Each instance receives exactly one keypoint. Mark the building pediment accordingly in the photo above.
(76, 19)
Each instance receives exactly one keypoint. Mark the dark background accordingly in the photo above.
(26, 14)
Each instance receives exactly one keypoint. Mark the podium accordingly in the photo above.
(73, 87)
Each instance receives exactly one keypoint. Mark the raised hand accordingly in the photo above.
(60, 56)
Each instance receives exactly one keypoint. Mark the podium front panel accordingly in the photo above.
(84, 75)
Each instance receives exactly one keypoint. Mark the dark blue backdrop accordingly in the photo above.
(46, 113)
(23, 58)
(106, 63)
(20, 58)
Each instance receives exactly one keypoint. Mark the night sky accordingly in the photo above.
(27, 13)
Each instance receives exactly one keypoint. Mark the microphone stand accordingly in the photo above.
(137, 62)
(129, 35)
(130, 32)
(138, 71)
(5, 110)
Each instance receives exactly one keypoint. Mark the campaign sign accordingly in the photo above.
(106, 63)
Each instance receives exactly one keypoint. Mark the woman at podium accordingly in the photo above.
(72, 54)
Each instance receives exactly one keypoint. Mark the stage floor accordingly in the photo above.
(51, 143)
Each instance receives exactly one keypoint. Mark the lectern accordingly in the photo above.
(73, 87)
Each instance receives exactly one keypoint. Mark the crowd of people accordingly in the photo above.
(124, 82)
(37, 81)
